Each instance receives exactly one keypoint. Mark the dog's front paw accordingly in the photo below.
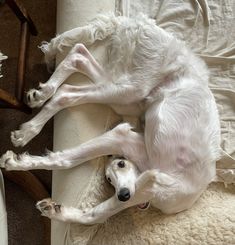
(9, 161)
(22, 136)
(49, 208)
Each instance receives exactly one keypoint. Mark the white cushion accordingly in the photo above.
(3, 215)
(78, 124)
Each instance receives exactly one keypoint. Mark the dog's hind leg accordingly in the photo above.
(119, 141)
(68, 96)
(80, 60)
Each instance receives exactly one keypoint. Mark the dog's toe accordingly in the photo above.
(26, 133)
(48, 208)
(17, 138)
(8, 159)
(34, 98)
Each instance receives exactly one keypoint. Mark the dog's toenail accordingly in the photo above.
(57, 208)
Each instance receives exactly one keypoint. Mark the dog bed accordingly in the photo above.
(208, 28)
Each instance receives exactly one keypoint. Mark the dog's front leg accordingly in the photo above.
(98, 214)
(154, 177)
(145, 191)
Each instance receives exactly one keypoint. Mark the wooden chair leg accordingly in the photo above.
(27, 28)
(31, 185)
(21, 13)
(10, 102)
(20, 82)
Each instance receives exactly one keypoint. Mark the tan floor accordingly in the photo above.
(23, 219)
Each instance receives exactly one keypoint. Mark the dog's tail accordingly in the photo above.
(99, 28)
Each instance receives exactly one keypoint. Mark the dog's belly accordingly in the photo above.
(182, 135)
(172, 154)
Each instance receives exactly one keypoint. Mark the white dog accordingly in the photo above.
(150, 72)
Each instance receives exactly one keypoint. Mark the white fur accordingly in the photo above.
(151, 73)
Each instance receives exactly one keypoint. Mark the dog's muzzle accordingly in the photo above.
(124, 195)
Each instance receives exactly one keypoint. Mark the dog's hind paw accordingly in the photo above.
(34, 98)
(50, 55)
(8, 160)
(49, 208)
(37, 97)
(22, 136)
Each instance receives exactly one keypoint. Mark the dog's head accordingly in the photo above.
(122, 174)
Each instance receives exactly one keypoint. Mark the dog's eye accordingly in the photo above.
(121, 164)
(109, 180)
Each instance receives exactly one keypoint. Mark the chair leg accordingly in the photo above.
(31, 185)
(10, 102)
(27, 28)
(21, 13)
(24, 40)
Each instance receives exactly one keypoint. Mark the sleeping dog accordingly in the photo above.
(151, 73)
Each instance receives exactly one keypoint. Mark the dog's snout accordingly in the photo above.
(124, 195)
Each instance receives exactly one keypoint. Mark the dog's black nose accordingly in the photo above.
(124, 195)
